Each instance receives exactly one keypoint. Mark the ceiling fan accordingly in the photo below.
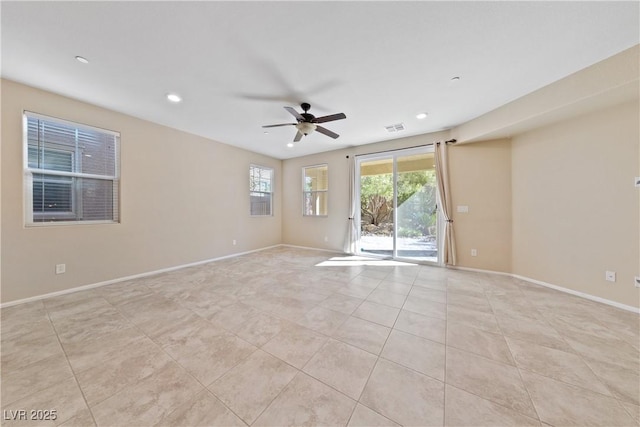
(307, 122)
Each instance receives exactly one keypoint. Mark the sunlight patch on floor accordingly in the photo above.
(360, 260)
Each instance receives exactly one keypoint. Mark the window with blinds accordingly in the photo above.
(260, 190)
(315, 190)
(71, 172)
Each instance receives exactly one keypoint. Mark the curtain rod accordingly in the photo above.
(450, 141)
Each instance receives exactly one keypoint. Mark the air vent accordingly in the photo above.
(395, 128)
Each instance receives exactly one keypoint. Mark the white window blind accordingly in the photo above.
(260, 190)
(315, 190)
(71, 171)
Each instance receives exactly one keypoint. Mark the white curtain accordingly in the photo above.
(442, 170)
(352, 231)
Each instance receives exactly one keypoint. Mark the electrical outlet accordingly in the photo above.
(637, 281)
(610, 276)
(463, 209)
(326, 238)
(474, 252)
(61, 268)
(234, 242)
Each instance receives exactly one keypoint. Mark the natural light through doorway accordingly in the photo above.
(398, 209)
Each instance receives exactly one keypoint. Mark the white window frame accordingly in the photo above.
(71, 214)
(261, 192)
(305, 192)
(29, 173)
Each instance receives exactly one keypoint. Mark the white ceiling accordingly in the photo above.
(236, 64)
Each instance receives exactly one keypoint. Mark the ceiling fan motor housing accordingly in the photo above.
(308, 117)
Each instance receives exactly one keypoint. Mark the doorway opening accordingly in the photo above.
(398, 216)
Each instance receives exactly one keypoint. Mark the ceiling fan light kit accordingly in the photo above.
(306, 128)
(307, 123)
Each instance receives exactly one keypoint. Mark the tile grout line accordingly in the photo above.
(370, 373)
(520, 369)
(276, 396)
(495, 361)
(267, 352)
(161, 349)
(446, 351)
(379, 356)
(258, 348)
(581, 357)
(18, 370)
(75, 378)
(524, 385)
(359, 402)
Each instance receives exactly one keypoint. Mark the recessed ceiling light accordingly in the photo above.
(265, 132)
(421, 116)
(82, 59)
(290, 144)
(455, 79)
(173, 97)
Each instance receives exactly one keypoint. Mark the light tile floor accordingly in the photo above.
(289, 336)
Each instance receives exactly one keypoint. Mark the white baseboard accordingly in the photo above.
(556, 287)
(333, 251)
(124, 279)
(578, 293)
(478, 270)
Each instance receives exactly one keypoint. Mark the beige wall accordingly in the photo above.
(307, 230)
(575, 209)
(183, 199)
(480, 176)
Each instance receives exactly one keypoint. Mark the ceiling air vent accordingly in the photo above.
(395, 128)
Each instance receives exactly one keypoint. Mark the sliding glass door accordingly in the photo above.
(398, 211)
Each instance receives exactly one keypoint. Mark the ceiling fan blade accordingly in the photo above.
(298, 137)
(330, 118)
(327, 132)
(282, 124)
(268, 98)
(294, 113)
